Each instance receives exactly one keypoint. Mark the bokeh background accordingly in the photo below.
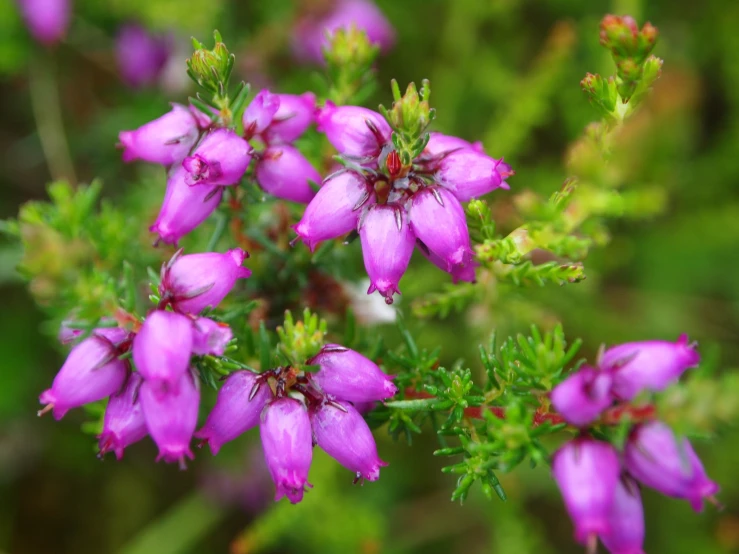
(505, 72)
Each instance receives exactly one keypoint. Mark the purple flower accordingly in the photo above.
(196, 281)
(184, 207)
(221, 158)
(210, 337)
(260, 112)
(284, 172)
(387, 246)
(288, 446)
(47, 20)
(163, 347)
(310, 36)
(587, 473)
(582, 397)
(236, 410)
(165, 140)
(470, 174)
(465, 272)
(171, 415)
(352, 130)
(335, 209)
(437, 219)
(626, 520)
(344, 435)
(295, 114)
(657, 458)
(141, 56)
(91, 372)
(649, 365)
(440, 144)
(124, 422)
(348, 375)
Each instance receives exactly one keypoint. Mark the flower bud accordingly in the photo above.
(141, 56)
(335, 209)
(163, 347)
(124, 422)
(438, 220)
(295, 114)
(387, 246)
(648, 365)
(345, 436)
(348, 375)
(657, 458)
(171, 415)
(587, 473)
(285, 173)
(221, 158)
(165, 140)
(288, 446)
(196, 281)
(91, 372)
(469, 174)
(582, 397)
(626, 520)
(47, 20)
(353, 131)
(260, 112)
(210, 337)
(236, 410)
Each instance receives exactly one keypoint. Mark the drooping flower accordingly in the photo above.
(221, 158)
(587, 473)
(171, 414)
(91, 372)
(47, 20)
(123, 423)
(210, 337)
(648, 365)
(288, 446)
(194, 282)
(165, 140)
(349, 375)
(285, 173)
(626, 520)
(460, 272)
(583, 396)
(141, 56)
(240, 402)
(335, 209)
(184, 207)
(387, 246)
(295, 114)
(658, 459)
(163, 347)
(260, 112)
(470, 174)
(354, 131)
(341, 431)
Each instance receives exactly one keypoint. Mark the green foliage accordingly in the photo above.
(409, 117)
(350, 73)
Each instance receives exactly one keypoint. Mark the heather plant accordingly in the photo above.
(248, 283)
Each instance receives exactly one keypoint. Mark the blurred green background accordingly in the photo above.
(505, 72)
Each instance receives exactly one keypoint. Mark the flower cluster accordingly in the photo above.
(295, 410)
(395, 207)
(599, 486)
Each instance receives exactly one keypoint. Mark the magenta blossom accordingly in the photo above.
(260, 112)
(163, 347)
(210, 337)
(468, 173)
(295, 114)
(124, 422)
(440, 144)
(285, 173)
(221, 158)
(47, 20)
(583, 396)
(165, 140)
(141, 56)
(354, 131)
(626, 520)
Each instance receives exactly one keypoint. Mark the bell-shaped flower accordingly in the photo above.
(583, 396)
(171, 414)
(123, 423)
(658, 459)
(260, 112)
(626, 520)
(141, 56)
(587, 473)
(240, 402)
(649, 365)
(470, 174)
(47, 20)
(165, 140)
(342, 433)
(348, 375)
(91, 372)
(288, 446)
(387, 246)
(163, 346)
(295, 114)
(194, 282)
(285, 173)
(440, 144)
(335, 209)
(221, 158)
(184, 207)
(354, 131)
(210, 337)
